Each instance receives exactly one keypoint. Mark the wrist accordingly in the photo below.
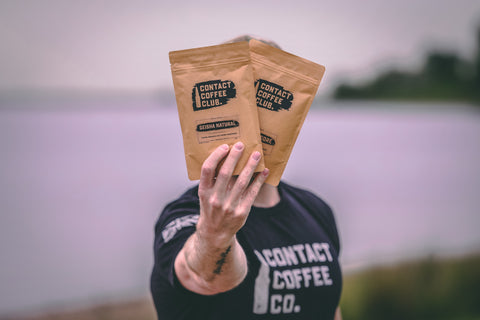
(214, 240)
(213, 237)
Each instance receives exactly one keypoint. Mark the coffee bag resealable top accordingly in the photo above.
(285, 88)
(216, 102)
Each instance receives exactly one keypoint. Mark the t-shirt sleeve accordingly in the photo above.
(323, 213)
(175, 225)
(331, 225)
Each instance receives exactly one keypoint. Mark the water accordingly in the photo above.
(82, 184)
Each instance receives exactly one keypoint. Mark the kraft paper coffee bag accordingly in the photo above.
(216, 102)
(285, 86)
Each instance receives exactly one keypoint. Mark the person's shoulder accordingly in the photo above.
(185, 207)
(319, 209)
(303, 194)
(187, 199)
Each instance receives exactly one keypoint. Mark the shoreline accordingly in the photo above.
(142, 308)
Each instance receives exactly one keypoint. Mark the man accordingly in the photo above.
(236, 248)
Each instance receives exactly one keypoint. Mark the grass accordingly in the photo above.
(427, 289)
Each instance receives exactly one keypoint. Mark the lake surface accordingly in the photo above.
(81, 185)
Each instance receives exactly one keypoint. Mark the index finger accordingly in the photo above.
(210, 165)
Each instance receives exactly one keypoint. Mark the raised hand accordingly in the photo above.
(225, 201)
(212, 260)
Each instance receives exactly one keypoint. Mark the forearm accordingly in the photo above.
(209, 267)
(338, 314)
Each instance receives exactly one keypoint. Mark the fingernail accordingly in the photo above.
(256, 155)
(265, 172)
(225, 146)
(239, 145)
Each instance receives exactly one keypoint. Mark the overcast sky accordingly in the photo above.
(124, 45)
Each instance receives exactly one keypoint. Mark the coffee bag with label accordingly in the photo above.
(216, 102)
(285, 87)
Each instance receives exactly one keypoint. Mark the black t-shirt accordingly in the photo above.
(292, 252)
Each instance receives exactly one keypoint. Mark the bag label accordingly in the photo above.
(268, 141)
(217, 125)
(217, 129)
(214, 93)
(271, 96)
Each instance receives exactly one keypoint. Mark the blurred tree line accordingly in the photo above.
(444, 76)
(422, 290)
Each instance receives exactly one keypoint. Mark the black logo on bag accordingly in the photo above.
(217, 125)
(271, 96)
(267, 139)
(214, 93)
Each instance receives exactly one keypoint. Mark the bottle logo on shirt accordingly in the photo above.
(214, 93)
(272, 96)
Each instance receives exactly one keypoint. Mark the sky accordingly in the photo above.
(124, 45)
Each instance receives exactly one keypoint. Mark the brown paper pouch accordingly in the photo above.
(285, 87)
(216, 102)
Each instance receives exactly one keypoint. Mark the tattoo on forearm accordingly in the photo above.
(221, 261)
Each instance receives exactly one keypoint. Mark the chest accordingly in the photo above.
(293, 268)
